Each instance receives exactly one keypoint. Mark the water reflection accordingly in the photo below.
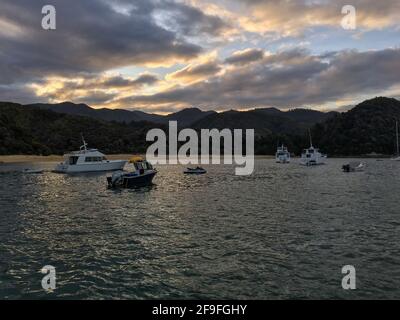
(284, 232)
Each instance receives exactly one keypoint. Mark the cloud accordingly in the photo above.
(193, 73)
(91, 36)
(245, 56)
(286, 79)
(293, 17)
(92, 88)
(188, 20)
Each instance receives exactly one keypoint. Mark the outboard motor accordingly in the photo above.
(115, 179)
(346, 168)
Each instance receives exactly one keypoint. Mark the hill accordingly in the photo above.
(29, 130)
(367, 128)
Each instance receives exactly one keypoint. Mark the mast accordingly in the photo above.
(84, 143)
(309, 132)
(397, 137)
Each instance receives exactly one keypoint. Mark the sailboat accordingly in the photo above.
(312, 156)
(397, 157)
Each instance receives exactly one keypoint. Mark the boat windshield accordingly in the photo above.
(73, 160)
(143, 165)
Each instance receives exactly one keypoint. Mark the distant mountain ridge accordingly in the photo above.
(185, 117)
(260, 118)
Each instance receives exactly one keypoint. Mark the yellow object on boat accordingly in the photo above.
(136, 159)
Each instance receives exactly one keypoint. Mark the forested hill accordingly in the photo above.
(367, 128)
(28, 130)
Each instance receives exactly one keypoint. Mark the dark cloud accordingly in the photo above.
(245, 57)
(307, 79)
(91, 36)
(190, 21)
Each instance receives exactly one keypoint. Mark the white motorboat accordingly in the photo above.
(282, 155)
(88, 160)
(312, 156)
(397, 157)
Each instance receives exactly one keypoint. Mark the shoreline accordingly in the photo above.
(4, 159)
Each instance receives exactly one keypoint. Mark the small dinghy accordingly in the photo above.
(197, 170)
(354, 167)
(32, 171)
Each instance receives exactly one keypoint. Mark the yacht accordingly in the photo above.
(282, 155)
(88, 160)
(312, 156)
(397, 156)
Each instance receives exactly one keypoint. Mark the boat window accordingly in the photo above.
(73, 160)
(93, 159)
(139, 165)
(104, 159)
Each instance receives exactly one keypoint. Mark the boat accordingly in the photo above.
(140, 175)
(88, 160)
(32, 171)
(197, 170)
(397, 157)
(355, 166)
(312, 156)
(282, 155)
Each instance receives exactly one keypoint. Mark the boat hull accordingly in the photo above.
(282, 160)
(133, 181)
(91, 167)
(195, 172)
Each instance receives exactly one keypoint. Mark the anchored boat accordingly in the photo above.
(282, 155)
(197, 170)
(142, 175)
(88, 160)
(312, 156)
(354, 166)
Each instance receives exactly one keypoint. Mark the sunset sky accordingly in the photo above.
(164, 55)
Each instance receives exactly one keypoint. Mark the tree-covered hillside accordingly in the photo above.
(26, 130)
(367, 128)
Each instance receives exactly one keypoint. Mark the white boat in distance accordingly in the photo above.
(397, 157)
(88, 160)
(312, 156)
(282, 155)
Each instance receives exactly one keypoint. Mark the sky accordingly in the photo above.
(161, 56)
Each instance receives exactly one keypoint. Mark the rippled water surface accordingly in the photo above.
(284, 232)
